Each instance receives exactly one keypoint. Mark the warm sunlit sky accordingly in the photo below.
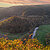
(7, 3)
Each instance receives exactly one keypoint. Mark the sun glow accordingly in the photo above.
(8, 3)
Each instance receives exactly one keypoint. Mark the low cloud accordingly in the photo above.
(25, 1)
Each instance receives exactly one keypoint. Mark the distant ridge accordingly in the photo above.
(28, 9)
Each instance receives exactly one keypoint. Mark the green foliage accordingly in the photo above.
(42, 32)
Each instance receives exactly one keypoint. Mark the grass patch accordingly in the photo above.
(41, 33)
(12, 36)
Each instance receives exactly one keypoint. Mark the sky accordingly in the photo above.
(7, 3)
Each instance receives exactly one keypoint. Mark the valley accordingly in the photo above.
(19, 24)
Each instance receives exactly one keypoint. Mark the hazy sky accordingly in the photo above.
(7, 3)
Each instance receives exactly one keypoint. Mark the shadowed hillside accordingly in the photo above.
(16, 24)
(25, 11)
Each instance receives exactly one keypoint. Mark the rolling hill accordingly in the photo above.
(25, 10)
(15, 25)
